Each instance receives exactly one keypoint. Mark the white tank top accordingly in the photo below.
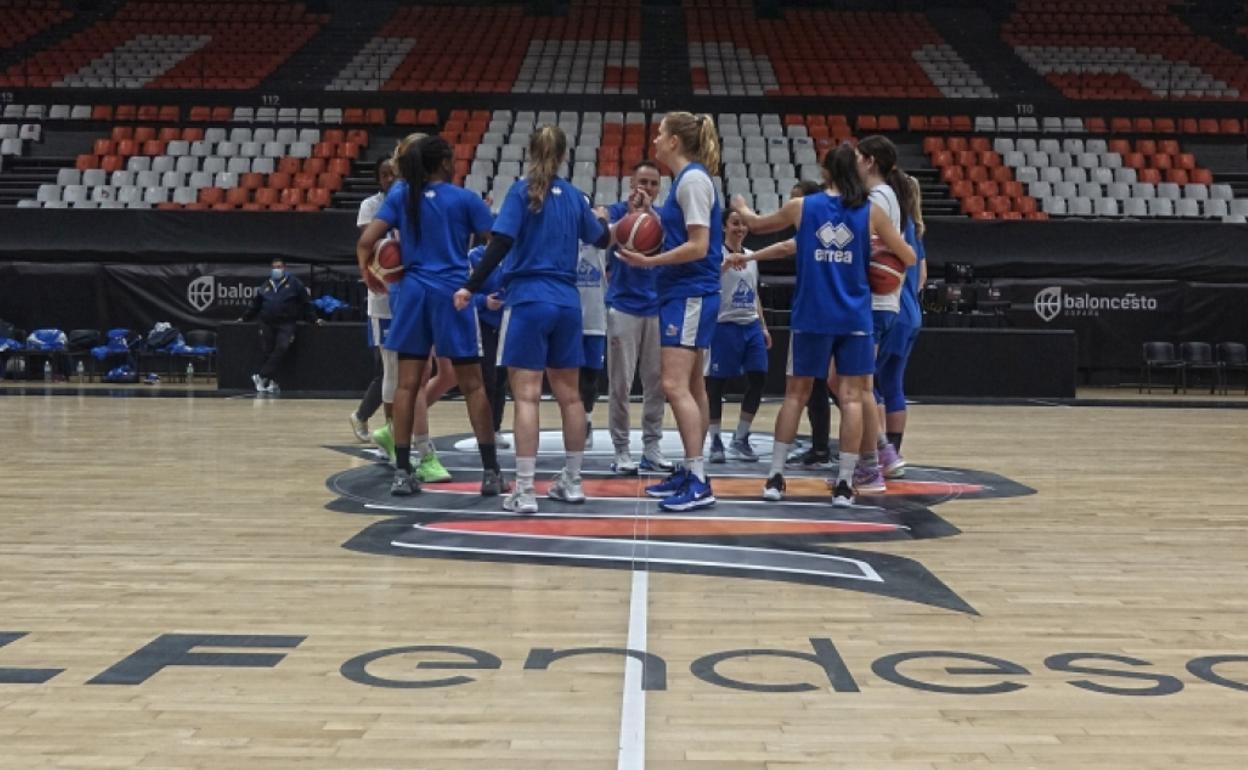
(883, 196)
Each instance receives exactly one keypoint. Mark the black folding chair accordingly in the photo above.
(1160, 355)
(1198, 357)
(1233, 356)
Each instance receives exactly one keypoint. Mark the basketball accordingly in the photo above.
(887, 270)
(387, 261)
(640, 231)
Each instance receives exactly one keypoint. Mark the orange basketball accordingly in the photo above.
(387, 261)
(640, 231)
(887, 270)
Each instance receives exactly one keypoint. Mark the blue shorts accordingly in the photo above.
(537, 336)
(688, 322)
(378, 331)
(594, 346)
(424, 317)
(737, 349)
(881, 322)
(810, 353)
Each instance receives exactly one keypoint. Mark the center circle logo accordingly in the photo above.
(801, 539)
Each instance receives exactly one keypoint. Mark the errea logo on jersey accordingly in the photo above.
(838, 236)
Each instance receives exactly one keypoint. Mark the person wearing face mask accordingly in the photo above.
(279, 303)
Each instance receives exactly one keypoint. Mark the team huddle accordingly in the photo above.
(541, 288)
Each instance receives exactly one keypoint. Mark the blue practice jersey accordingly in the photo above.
(911, 315)
(449, 216)
(631, 290)
(833, 244)
(700, 277)
(541, 266)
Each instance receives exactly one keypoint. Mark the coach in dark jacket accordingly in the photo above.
(279, 303)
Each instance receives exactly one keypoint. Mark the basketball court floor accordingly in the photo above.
(195, 583)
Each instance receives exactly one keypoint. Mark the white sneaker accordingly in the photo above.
(259, 382)
(623, 465)
(360, 428)
(270, 386)
(566, 488)
(521, 501)
(501, 442)
(653, 460)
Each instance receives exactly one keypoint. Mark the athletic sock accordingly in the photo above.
(779, 451)
(895, 440)
(574, 462)
(526, 468)
(881, 441)
(489, 456)
(743, 428)
(403, 457)
(695, 466)
(845, 470)
(714, 430)
(421, 445)
(871, 459)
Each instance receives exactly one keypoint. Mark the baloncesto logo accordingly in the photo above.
(802, 539)
(1053, 301)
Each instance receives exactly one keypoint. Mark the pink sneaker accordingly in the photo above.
(894, 465)
(869, 480)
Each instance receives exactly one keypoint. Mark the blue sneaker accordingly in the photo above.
(669, 486)
(696, 494)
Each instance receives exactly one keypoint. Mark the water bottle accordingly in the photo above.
(80, 371)
(190, 370)
(47, 371)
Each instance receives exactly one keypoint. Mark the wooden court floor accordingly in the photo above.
(148, 542)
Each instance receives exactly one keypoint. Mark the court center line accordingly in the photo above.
(632, 754)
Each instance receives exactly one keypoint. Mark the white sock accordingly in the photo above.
(420, 446)
(881, 441)
(743, 429)
(779, 451)
(695, 466)
(573, 462)
(871, 459)
(526, 468)
(845, 472)
(714, 431)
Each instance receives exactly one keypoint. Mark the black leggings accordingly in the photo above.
(372, 396)
(589, 389)
(494, 376)
(819, 410)
(749, 402)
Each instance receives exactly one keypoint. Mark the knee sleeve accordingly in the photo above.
(389, 375)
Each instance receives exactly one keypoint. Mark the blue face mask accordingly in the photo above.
(276, 274)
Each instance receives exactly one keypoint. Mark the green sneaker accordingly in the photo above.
(384, 438)
(430, 470)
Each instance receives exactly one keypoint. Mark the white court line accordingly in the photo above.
(632, 755)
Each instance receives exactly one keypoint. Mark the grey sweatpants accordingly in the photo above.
(633, 343)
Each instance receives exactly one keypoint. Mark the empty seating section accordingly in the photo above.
(1129, 49)
(594, 49)
(217, 167)
(22, 19)
(491, 149)
(809, 52)
(1093, 177)
(13, 137)
(985, 186)
(150, 44)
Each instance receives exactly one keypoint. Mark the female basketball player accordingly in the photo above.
(380, 390)
(489, 303)
(889, 189)
(832, 306)
(591, 285)
(739, 347)
(436, 220)
(895, 348)
(540, 223)
(688, 285)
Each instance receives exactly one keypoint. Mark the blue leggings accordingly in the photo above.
(890, 370)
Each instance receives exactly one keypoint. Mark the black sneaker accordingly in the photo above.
(812, 459)
(773, 490)
(492, 483)
(404, 484)
(843, 497)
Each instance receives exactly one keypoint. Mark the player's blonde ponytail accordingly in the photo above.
(546, 150)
